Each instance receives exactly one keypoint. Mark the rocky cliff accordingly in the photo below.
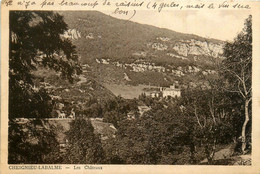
(196, 47)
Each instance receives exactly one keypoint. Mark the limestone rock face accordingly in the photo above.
(195, 47)
(72, 34)
(159, 46)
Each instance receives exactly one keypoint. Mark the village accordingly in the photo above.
(164, 92)
(147, 66)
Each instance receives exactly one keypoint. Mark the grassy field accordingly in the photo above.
(127, 91)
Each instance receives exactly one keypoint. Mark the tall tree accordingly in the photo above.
(237, 69)
(84, 146)
(36, 40)
(212, 120)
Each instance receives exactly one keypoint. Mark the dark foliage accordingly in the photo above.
(84, 146)
(237, 71)
(33, 143)
(35, 40)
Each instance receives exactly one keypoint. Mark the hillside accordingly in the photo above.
(123, 58)
(68, 95)
(103, 36)
(125, 52)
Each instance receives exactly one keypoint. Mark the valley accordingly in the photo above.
(110, 91)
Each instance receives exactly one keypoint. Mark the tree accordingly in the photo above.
(155, 138)
(212, 119)
(237, 70)
(36, 40)
(33, 143)
(84, 146)
(115, 110)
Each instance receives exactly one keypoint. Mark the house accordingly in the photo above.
(131, 115)
(61, 114)
(143, 109)
(154, 94)
(172, 91)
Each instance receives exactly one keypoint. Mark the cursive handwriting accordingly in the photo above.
(129, 7)
(129, 4)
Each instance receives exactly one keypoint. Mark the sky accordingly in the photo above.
(223, 25)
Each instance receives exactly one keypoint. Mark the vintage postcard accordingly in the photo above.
(143, 86)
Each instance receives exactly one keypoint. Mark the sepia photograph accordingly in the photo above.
(99, 87)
